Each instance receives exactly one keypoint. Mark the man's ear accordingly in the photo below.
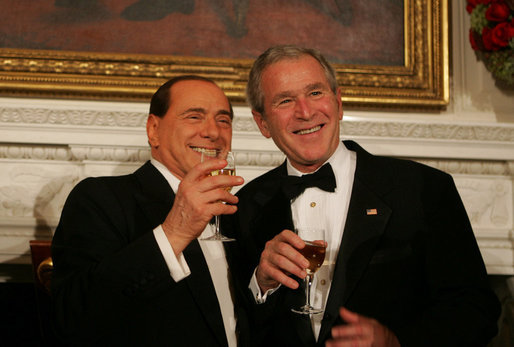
(339, 103)
(261, 123)
(152, 130)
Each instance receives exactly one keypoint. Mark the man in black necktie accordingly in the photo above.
(402, 266)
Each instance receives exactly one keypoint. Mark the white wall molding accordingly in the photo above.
(249, 158)
(16, 118)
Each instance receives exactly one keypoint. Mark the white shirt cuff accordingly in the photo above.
(177, 265)
(256, 290)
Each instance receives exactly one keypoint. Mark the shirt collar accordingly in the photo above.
(337, 160)
(172, 180)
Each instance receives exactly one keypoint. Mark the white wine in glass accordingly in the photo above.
(230, 170)
(314, 251)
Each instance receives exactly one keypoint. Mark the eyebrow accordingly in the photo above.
(204, 111)
(225, 112)
(280, 96)
(287, 93)
(194, 109)
(317, 85)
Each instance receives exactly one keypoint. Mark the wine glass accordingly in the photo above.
(230, 170)
(314, 251)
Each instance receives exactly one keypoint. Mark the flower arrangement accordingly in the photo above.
(492, 36)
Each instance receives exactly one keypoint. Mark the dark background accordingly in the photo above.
(20, 324)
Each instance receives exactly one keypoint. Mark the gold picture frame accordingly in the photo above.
(422, 81)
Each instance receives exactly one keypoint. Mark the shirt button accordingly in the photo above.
(323, 282)
(313, 204)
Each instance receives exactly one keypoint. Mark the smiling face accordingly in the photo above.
(198, 118)
(301, 113)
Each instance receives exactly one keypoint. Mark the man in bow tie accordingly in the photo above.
(402, 266)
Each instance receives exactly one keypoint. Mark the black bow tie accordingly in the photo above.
(323, 179)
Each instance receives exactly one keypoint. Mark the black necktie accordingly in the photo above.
(323, 179)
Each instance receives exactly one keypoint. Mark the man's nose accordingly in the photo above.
(302, 109)
(210, 128)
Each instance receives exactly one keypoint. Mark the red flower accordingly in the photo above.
(489, 43)
(471, 5)
(497, 35)
(500, 34)
(497, 12)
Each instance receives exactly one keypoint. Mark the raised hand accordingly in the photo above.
(279, 260)
(199, 198)
(361, 331)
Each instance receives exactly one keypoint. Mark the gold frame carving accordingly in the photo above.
(422, 82)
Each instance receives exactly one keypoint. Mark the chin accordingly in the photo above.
(315, 156)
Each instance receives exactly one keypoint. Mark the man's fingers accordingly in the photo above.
(280, 259)
(348, 316)
(215, 197)
(200, 197)
(291, 238)
(350, 341)
(222, 182)
(268, 276)
(356, 325)
(205, 168)
(283, 253)
(201, 170)
(199, 177)
(207, 183)
(218, 208)
(362, 330)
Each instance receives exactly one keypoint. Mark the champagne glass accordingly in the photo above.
(230, 170)
(314, 251)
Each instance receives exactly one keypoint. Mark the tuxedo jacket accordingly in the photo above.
(414, 265)
(111, 285)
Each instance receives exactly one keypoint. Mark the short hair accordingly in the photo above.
(161, 99)
(254, 94)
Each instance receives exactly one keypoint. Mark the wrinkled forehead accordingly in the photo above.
(293, 74)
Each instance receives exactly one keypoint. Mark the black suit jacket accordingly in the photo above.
(111, 285)
(414, 266)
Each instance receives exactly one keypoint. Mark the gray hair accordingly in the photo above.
(273, 55)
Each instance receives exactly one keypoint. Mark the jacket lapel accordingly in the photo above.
(366, 221)
(156, 199)
(361, 235)
(202, 290)
(274, 210)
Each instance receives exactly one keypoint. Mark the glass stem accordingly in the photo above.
(308, 279)
(217, 224)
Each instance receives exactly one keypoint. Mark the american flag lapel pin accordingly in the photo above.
(371, 212)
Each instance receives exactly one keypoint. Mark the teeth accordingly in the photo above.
(308, 131)
(204, 150)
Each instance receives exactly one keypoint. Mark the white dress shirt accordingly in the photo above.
(214, 254)
(318, 208)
